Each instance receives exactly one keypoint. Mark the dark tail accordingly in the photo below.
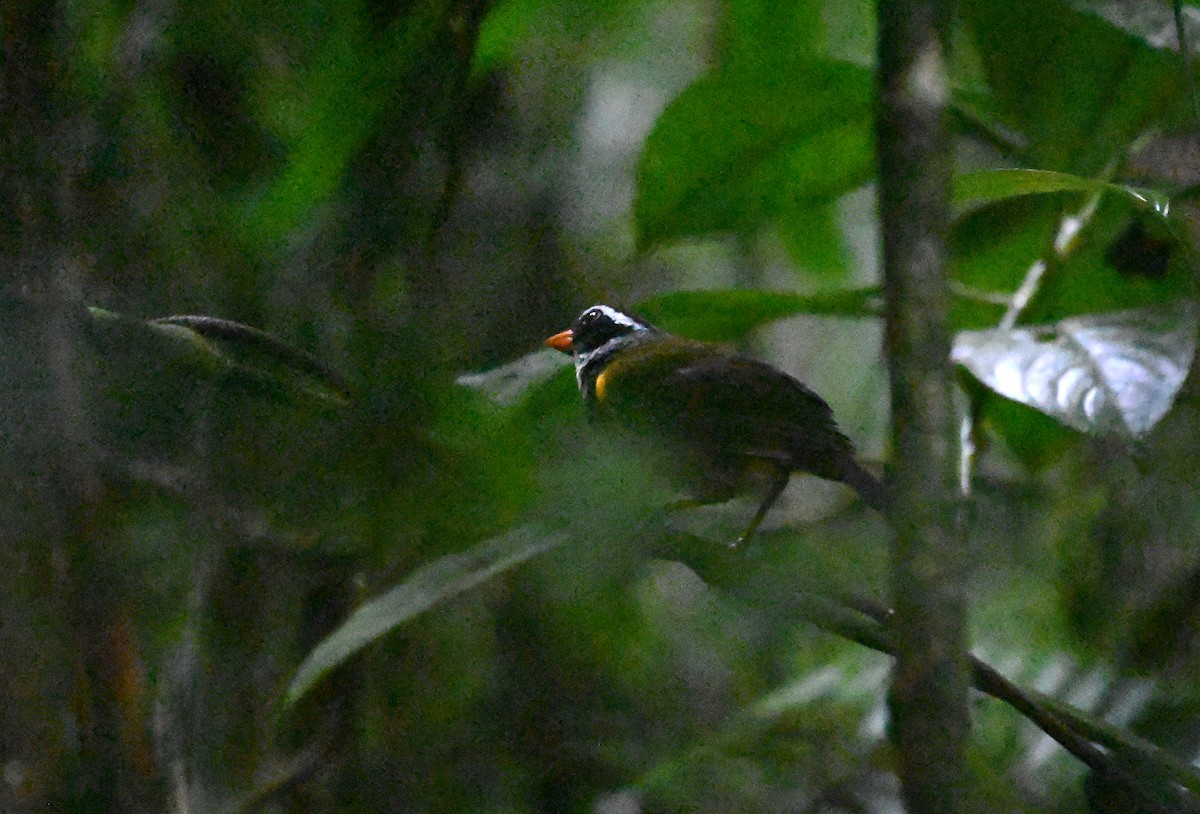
(869, 488)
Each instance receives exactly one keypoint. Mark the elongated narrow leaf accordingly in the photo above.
(995, 185)
(426, 587)
(257, 351)
(210, 347)
(508, 383)
(1110, 373)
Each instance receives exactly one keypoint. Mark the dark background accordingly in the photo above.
(414, 191)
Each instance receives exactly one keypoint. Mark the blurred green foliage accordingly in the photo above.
(411, 192)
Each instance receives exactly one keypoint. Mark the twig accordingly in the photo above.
(1079, 734)
(294, 771)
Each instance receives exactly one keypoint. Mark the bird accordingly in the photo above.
(729, 424)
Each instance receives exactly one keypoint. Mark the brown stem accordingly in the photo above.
(931, 678)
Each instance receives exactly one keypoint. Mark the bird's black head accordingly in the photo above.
(597, 335)
(600, 324)
(595, 328)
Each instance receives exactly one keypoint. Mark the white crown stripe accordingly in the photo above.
(619, 318)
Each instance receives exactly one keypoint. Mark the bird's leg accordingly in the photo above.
(773, 493)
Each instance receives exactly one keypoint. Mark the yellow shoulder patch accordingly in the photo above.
(601, 383)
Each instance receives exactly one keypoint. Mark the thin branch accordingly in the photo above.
(863, 621)
(1066, 240)
(294, 770)
(1138, 766)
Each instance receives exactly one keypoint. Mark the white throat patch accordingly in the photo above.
(616, 317)
(581, 362)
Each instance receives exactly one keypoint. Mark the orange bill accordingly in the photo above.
(561, 341)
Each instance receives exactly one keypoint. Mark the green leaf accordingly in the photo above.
(814, 241)
(1109, 373)
(1124, 254)
(1150, 21)
(992, 247)
(728, 315)
(1037, 440)
(425, 588)
(159, 340)
(208, 348)
(738, 147)
(767, 34)
(1079, 89)
(996, 185)
(257, 355)
(507, 384)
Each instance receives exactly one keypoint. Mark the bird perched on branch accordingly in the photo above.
(730, 424)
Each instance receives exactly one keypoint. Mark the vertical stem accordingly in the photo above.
(931, 681)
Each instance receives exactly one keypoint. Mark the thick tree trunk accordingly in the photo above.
(931, 681)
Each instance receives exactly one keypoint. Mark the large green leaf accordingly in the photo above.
(770, 34)
(1111, 373)
(740, 146)
(1077, 88)
(426, 587)
(1090, 257)
(992, 248)
(814, 241)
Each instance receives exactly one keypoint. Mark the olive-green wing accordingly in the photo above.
(705, 395)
